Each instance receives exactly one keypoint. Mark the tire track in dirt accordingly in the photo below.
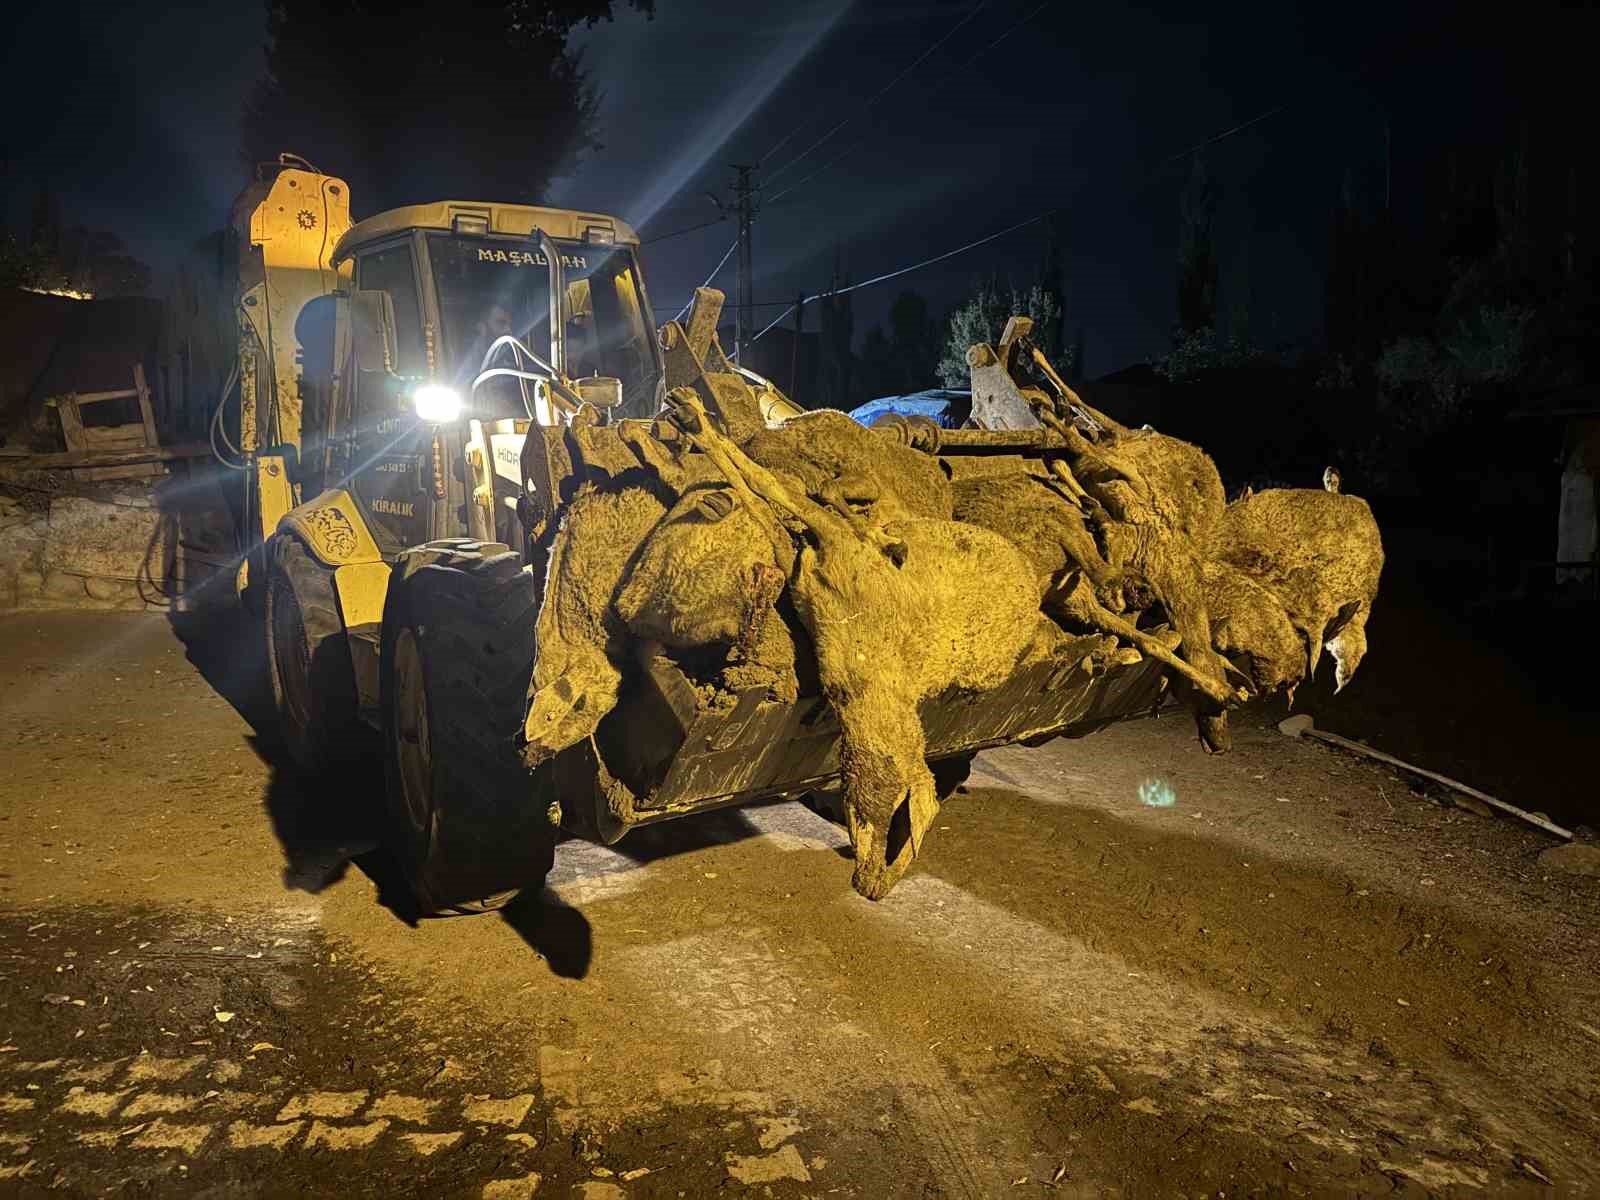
(908, 1047)
(930, 1005)
(1172, 1047)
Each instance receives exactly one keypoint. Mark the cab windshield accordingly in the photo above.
(488, 287)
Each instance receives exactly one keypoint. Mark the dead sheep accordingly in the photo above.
(580, 636)
(1250, 628)
(846, 466)
(1320, 553)
(897, 613)
(710, 575)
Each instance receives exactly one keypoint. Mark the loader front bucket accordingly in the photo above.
(661, 753)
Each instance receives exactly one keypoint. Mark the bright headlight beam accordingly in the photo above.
(619, 52)
(436, 404)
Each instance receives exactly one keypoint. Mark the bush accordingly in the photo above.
(983, 318)
(1426, 382)
(1201, 351)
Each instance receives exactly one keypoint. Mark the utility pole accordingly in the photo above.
(799, 328)
(744, 191)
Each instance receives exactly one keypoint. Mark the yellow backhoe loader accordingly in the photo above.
(583, 574)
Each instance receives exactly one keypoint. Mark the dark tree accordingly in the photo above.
(1343, 284)
(476, 99)
(20, 266)
(1053, 282)
(1197, 257)
(837, 382)
(913, 342)
(1238, 297)
(96, 263)
(903, 359)
(69, 258)
(876, 369)
(44, 233)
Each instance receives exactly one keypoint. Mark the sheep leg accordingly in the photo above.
(752, 479)
(1077, 600)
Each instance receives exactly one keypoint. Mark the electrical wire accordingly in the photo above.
(1024, 19)
(836, 128)
(714, 272)
(680, 232)
(1226, 133)
(879, 95)
(971, 13)
(849, 150)
(667, 308)
(895, 274)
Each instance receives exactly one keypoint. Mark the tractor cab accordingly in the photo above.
(469, 323)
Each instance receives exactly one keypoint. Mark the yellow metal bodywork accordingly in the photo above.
(333, 529)
(362, 589)
(275, 494)
(295, 227)
(517, 220)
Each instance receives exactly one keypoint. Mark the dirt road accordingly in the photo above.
(1298, 978)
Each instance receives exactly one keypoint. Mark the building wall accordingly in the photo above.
(51, 344)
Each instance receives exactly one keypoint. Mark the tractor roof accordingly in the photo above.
(467, 216)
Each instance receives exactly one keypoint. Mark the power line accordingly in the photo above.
(744, 191)
(991, 237)
(881, 92)
(781, 316)
(782, 141)
(1016, 25)
(895, 274)
(971, 13)
(680, 232)
(756, 304)
(722, 262)
(790, 306)
(1226, 133)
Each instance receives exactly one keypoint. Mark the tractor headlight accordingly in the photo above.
(436, 404)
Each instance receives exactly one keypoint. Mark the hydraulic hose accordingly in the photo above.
(217, 430)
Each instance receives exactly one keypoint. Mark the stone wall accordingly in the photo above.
(130, 545)
(116, 549)
(110, 551)
(127, 544)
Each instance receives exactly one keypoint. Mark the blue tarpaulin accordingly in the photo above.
(935, 403)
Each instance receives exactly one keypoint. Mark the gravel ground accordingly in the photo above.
(1300, 978)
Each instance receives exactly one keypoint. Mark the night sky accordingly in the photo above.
(130, 113)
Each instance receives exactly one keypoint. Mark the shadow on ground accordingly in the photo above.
(327, 822)
(557, 932)
(324, 822)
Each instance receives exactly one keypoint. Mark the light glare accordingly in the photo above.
(436, 404)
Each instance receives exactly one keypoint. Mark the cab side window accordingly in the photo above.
(391, 271)
(390, 450)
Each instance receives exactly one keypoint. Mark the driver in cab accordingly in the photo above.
(494, 323)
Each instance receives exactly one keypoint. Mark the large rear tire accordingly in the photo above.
(465, 819)
(308, 659)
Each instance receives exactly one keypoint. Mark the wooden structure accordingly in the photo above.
(91, 440)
